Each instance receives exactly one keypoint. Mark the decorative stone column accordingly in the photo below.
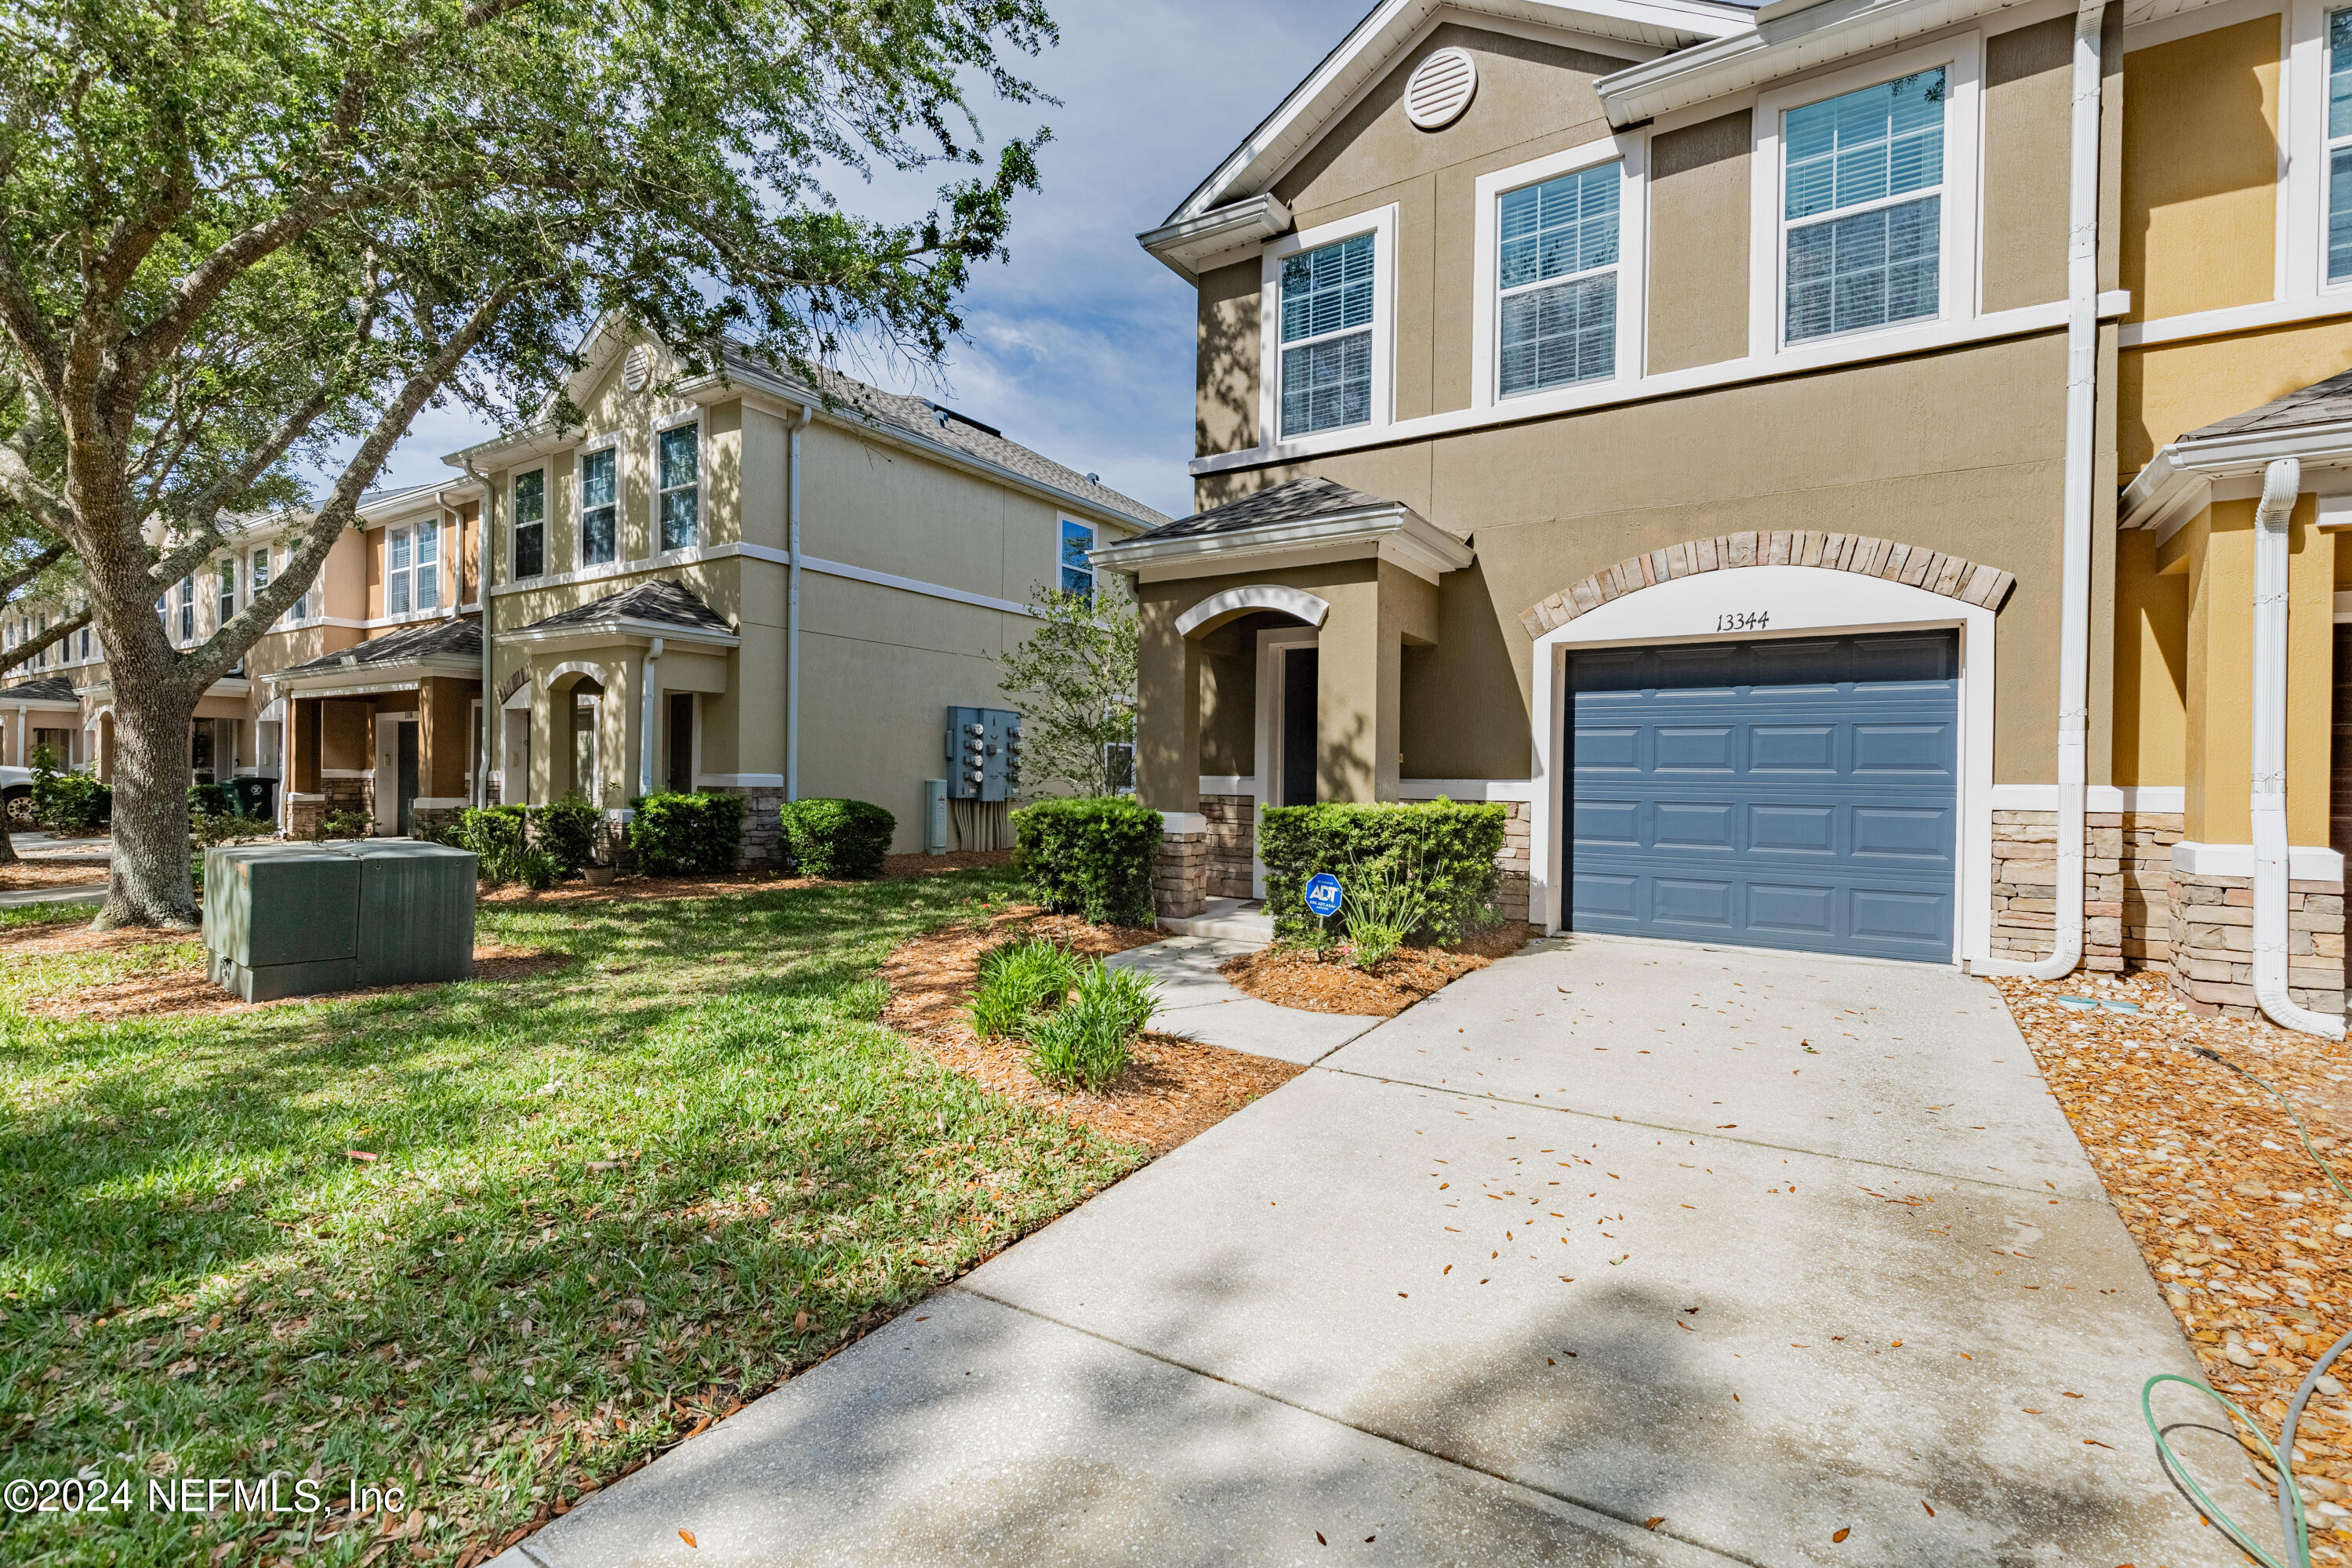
(1180, 890)
(1233, 845)
(2213, 939)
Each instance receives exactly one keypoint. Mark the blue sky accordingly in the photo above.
(1081, 347)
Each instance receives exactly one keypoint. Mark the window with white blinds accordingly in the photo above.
(1328, 304)
(1863, 178)
(2339, 146)
(1556, 275)
(412, 574)
(600, 506)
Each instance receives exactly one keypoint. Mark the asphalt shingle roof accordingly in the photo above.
(1291, 502)
(2322, 403)
(660, 601)
(48, 688)
(919, 417)
(434, 639)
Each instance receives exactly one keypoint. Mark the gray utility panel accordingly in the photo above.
(1798, 793)
(984, 754)
(293, 920)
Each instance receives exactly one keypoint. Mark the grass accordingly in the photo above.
(607, 1202)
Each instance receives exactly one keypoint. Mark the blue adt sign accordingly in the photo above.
(1323, 893)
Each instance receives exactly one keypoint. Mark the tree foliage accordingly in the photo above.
(244, 243)
(1073, 682)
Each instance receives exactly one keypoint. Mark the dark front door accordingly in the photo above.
(682, 743)
(1800, 792)
(1298, 673)
(404, 821)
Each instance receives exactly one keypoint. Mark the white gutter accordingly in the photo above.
(2280, 481)
(792, 612)
(648, 667)
(2074, 580)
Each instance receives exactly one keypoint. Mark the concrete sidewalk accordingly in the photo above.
(1614, 1252)
(1200, 1004)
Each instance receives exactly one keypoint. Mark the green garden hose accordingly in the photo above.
(2292, 1524)
(2325, 1169)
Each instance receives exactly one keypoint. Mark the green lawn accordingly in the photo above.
(608, 1200)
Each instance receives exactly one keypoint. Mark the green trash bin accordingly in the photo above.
(255, 796)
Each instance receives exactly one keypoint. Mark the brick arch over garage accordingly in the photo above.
(1914, 566)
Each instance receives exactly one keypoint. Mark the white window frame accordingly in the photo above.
(2302, 181)
(1094, 531)
(185, 611)
(1380, 223)
(408, 531)
(225, 613)
(655, 430)
(1962, 57)
(546, 472)
(1631, 152)
(580, 455)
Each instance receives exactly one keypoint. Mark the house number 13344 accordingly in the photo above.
(1744, 621)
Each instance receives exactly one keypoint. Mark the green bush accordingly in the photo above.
(211, 800)
(1087, 1041)
(838, 838)
(499, 835)
(346, 825)
(688, 835)
(1089, 857)
(1017, 981)
(567, 831)
(538, 871)
(1386, 904)
(1448, 850)
(70, 802)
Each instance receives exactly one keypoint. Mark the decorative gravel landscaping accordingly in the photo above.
(496, 1242)
(2250, 1241)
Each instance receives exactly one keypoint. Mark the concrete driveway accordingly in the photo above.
(1615, 1252)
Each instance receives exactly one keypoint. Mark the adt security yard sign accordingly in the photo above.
(1323, 894)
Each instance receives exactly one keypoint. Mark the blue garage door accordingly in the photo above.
(1794, 794)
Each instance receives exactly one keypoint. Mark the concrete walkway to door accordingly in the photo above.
(1616, 1252)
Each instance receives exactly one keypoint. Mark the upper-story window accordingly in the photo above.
(85, 645)
(260, 569)
(1557, 279)
(188, 609)
(1078, 572)
(531, 523)
(1863, 178)
(40, 660)
(228, 604)
(599, 505)
(1327, 304)
(677, 454)
(412, 573)
(2339, 146)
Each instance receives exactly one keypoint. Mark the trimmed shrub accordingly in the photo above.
(211, 800)
(688, 835)
(837, 838)
(567, 831)
(499, 836)
(1446, 850)
(346, 825)
(70, 803)
(1093, 857)
(1017, 980)
(1089, 1040)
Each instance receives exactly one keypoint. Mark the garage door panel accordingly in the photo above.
(1828, 812)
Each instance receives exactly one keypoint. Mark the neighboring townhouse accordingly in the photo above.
(1660, 417)
(736, 582)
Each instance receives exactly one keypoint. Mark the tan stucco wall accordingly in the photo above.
(1699, 221)
(2200, 169)
(1966, 456)
(1227, 351)
(2028, 95)
(2219, 546)
(2173, 388)
(2151, 664)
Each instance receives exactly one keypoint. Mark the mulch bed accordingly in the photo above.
(1174, 1089)
(81, 872)
(2249, 1241)
(636, 888)
(186, 991)
(1293, 977)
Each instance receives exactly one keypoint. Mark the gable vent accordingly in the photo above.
(1440, 88)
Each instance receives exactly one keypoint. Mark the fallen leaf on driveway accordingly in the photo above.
(1653, 1523)
(1840, 1535)
(687, 1536)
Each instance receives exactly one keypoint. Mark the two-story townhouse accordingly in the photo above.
(737, 582)
(1700, 428)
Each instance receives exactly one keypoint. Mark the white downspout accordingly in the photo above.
(2280, 481)
(645, 718)
(492, 715)
(793, 610)
(2075, 581)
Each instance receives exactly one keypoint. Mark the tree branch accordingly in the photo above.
(25, 651)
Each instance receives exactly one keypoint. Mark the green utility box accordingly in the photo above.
(293, 920)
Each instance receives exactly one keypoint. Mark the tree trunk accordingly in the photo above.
(149, 884)
(7, 849)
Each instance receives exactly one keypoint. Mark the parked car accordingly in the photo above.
(17, 797)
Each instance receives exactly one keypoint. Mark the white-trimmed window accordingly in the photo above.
(85, 645)
(1329, 300)
(599, 505)
(303, 607)
(225, 594)
(260, 569)
(412, 570)
(2339, 147)
(40, 625)
(1863, 179)
(1556, 255)
(530, 524)
(677, 466)
(1078, 572)
(188, 609)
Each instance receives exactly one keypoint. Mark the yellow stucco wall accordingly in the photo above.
(2171, 388)
(2200, 169)
(2151, 665)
